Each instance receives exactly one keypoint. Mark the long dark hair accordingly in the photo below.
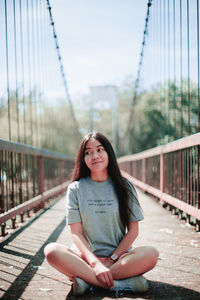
(122, 189)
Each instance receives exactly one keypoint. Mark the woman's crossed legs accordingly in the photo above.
(136, 262)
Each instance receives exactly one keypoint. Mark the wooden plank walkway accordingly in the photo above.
(26, 275)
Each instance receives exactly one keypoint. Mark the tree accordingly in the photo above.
(158, 117)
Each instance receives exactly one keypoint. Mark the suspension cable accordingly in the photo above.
(62, 68)
(22, 71)
(169, 68)
(174, 67)
(139, 69)
(7, 71)
(34, 57)
(181, 65)
(188, 66)
(30, 71)
(198, 64)
(16, 70)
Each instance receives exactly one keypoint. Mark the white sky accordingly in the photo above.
(100, 40)
(100, 44)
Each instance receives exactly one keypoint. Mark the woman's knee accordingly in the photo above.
(51, 251)
(152, 254)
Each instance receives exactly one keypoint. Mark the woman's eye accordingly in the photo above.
(100, 149)
(87, 153)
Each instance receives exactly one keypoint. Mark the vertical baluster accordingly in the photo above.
(198, 186)
(2, 195)
(41, 176)
(27, 181)
(20, 184)
(198, 66)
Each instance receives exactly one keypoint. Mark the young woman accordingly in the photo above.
(103, 213)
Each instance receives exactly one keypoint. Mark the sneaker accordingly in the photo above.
(135, 284)
(79, 286)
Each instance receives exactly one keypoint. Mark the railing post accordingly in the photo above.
(198, 177)
(130, 167)
(144, 170)
(60, 171)
(162, 173)
(40, 177)
(162, 176)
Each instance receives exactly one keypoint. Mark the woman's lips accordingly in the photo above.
(97, 162)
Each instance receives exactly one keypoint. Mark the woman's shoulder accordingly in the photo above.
(74, 185)
(127, 183)
(130, 187)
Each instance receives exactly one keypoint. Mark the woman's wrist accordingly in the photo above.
(114, 257)
(93, 263)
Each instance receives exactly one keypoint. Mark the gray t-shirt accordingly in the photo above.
(95, 205)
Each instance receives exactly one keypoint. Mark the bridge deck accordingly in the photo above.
(26, 275)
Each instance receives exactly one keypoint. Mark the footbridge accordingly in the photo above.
(155, 132)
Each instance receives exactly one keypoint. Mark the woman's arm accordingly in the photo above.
(81, 243)
(129, 238)
(102, 272)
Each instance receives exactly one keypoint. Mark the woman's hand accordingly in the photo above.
(103, 273)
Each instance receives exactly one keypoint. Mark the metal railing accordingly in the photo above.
(171, 173)
(28, 177)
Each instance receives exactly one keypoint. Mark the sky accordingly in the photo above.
(100, 44)
(99, 40)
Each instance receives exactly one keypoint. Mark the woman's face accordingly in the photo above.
(96, 157)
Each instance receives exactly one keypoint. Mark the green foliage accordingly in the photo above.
(159, 116)
(49, 127)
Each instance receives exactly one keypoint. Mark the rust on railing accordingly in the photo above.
(171, 173)
(28, 177)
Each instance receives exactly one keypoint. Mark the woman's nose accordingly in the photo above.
(95, 155)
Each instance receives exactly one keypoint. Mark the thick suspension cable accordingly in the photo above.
(137, 81)
(62, 67)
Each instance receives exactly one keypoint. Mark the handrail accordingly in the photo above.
(28, 177)
(183, 143)
(170, 173)
(27, 149)
(32, 203)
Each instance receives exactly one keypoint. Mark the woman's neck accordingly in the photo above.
(99, 177)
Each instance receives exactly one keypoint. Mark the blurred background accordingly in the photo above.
(129, 69)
